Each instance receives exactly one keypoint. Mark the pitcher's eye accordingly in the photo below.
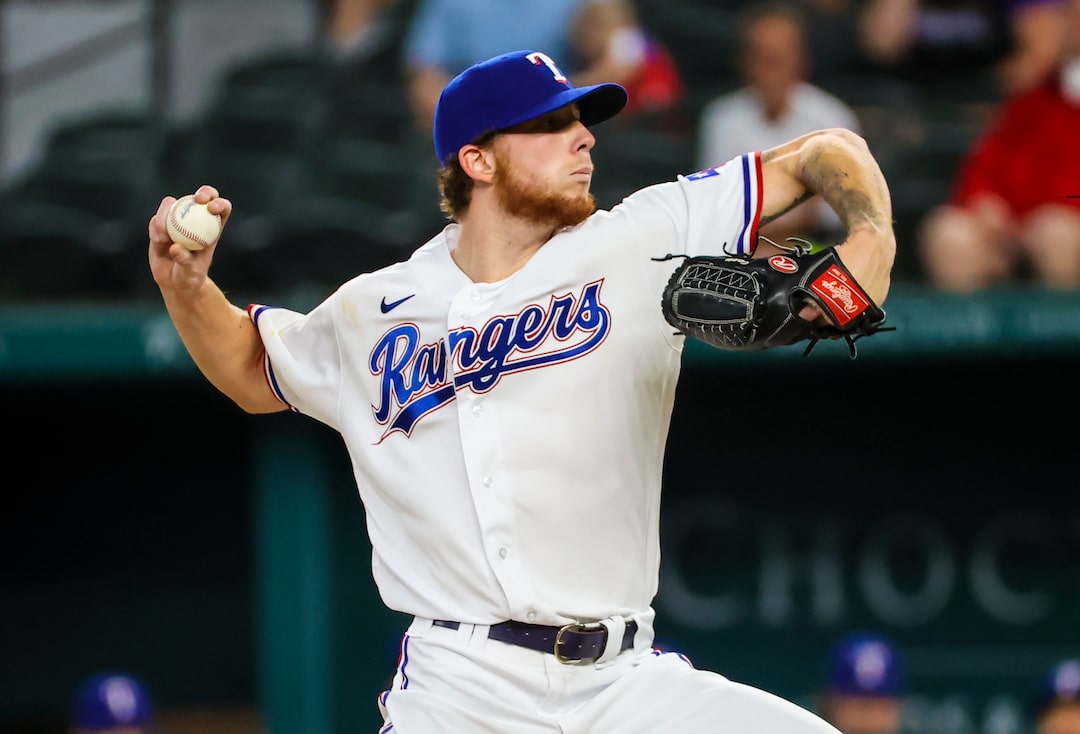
(552, 122)
(555, 123)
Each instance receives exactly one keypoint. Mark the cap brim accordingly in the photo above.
(596, 103)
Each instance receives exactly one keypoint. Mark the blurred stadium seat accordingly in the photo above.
(134, 136)
(54, 252)
(258, 183)
(109, 190)
(889, 110)
(303, 68)
(368, 107)
(263, 119)
(317, 242)
(107, 162)
(920, 180)
(365, 169)
(628, 160)
(78, 213)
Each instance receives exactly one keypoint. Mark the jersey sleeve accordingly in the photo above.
(724, 207)
(303, 359)
(715, 211)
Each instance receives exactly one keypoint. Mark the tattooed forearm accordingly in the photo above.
(835, 164)
(856, 208)
(858, 193)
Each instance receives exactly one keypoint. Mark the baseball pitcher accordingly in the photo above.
(505, 397)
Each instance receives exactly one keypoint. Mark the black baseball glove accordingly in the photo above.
(741, 304)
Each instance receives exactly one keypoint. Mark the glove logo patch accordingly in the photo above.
(783, 264)
(835, 289)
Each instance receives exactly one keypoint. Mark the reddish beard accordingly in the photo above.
(528, 202)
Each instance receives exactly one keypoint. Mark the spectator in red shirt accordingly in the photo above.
(1014, 212)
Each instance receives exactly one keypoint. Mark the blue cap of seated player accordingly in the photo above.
(112, 701)
(864, 664)
(508, 90)
(1060, 685)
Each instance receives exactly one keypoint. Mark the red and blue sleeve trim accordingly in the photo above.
(751, 168)
(254, 312)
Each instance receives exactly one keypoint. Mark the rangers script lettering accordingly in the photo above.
(414, 376)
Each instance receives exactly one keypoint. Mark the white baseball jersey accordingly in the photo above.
(507, 438)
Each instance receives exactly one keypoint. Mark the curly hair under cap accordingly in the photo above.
(456, 186)
(455, 189)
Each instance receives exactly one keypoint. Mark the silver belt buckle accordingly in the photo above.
(574, 627)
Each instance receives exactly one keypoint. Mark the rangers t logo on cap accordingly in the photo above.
(511, 89)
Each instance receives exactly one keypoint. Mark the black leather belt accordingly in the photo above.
(569, 643)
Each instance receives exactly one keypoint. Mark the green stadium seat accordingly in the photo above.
(626, 161)
(54, 252)
(318, 242)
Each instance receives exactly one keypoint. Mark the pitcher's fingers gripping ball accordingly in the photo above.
(741, 304)
(191, 224)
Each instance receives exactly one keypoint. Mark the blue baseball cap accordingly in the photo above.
(112, 701)
(864, 664)
(508, 90)
(1061, 684)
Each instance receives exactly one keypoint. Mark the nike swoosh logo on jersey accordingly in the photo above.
(388, 307)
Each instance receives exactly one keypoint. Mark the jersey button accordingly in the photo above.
(475, 296)
(487, 482)
(477, 410)
(531, 616)
(503, 553)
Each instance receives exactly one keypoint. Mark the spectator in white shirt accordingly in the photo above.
(776, 103)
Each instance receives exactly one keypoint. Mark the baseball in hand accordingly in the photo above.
(191, 224)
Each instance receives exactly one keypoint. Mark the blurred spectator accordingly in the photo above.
(776, 104)
(1017, 41)
(601, 40)
(1057, 706)
(608, 38)
(355, 28)
(112, 703)
(1013, 214)
(863, 691)
(832, 32)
